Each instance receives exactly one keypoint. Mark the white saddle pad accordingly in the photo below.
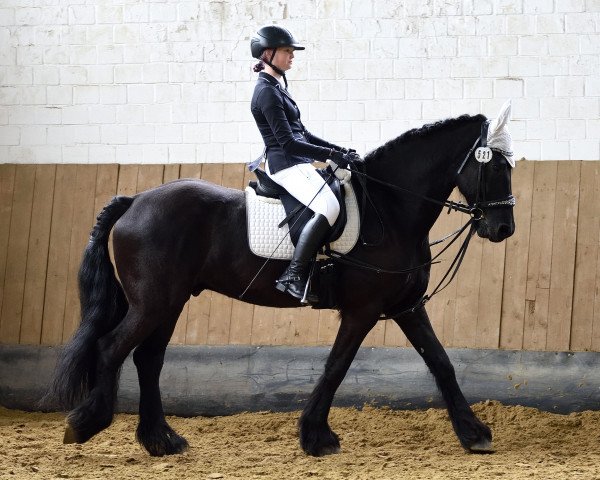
(266, 238)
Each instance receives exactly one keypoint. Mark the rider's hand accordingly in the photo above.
(341, 159)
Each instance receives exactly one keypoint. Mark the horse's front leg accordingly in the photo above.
(473, 434)
(316, 438)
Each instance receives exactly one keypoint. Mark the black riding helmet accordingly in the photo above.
(272, 36)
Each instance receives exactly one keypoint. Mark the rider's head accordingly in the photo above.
(274, 45)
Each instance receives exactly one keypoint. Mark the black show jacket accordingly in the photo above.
(277, 116)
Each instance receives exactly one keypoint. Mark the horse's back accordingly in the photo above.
(181, 202)
(180, 218)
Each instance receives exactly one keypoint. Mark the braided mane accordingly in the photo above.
(422, 132)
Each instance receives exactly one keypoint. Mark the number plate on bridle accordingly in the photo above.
(483, 154)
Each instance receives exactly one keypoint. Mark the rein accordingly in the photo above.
(474, 211)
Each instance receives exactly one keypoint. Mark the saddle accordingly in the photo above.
(271, 214)
(296, 214)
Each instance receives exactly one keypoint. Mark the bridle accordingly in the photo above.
(482, 154)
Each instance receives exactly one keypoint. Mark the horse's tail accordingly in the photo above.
(103, 306)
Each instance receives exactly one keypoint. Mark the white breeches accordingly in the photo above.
(305, 184)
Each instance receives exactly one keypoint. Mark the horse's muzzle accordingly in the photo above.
(495, 231)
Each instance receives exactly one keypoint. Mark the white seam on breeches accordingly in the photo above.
(303, 182)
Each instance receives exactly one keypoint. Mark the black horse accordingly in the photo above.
(187, 236)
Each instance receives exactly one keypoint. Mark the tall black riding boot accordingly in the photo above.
(314, 234)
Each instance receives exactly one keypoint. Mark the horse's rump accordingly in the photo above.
(187, 236)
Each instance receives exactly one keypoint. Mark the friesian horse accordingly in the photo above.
(187, 236)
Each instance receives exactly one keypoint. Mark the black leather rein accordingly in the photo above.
(474, 211)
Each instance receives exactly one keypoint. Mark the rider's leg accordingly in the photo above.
(313, 235)
(307, 186)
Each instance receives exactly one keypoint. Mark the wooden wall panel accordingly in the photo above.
(240, 331)
(84, 193)
(586, 283)
(58, 255)
(219, 318)
(37, 255)
(489, 308)
(148, 177)
(467, 296)
(7, 186)
(329, 323)
(596, 319)
(563, 256)
(242, 314)
(539, 290)
(442, 307)
(16, 264)
(263, 324)
(515, 266)
(539, 260)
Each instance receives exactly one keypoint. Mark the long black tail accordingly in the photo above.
(103, 306)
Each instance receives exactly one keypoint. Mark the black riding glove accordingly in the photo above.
(342, 159)
(347, 150)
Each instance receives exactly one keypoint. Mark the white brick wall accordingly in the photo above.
(124, 81)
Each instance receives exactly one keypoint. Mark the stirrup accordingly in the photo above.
(304, 299)
(308, 298)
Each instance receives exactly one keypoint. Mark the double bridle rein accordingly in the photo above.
(483, 154)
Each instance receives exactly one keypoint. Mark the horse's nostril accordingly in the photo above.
(504, 231)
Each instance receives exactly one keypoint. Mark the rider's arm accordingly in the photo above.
(319, 141)
(272, 108)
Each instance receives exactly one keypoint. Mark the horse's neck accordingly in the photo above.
(426, 166)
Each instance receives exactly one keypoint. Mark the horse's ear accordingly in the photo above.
(498, 134)
(505, 114)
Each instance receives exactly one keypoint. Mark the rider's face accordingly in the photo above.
(283, 58)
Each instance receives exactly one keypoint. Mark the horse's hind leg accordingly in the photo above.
(472, 433)
(96, 412)
(316, 438)
(153, 431)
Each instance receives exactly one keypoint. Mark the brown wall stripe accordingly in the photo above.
(539, 290)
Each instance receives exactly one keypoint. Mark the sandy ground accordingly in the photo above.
(376, 444)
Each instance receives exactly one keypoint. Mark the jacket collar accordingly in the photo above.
(270, 78)
(273, 81)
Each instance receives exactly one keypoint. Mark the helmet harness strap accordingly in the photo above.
(277, 69)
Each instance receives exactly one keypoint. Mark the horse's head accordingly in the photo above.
(485, 179)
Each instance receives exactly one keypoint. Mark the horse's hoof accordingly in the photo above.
(160, 440)
(173, 445)
(328, 450)
(318, 441)
(483, 446)
(70, 436)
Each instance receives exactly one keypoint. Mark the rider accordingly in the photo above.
(290, 149)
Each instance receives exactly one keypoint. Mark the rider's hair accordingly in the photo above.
(259, 66)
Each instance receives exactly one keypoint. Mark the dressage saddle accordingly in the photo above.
(296, 214)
